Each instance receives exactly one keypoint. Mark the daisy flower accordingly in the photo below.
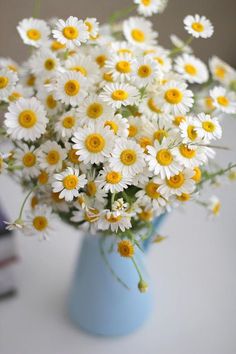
(27, 158)
(114, 220)
(8, 63)
(89, 217)
(3, 164)
(161, 160)
(94, 109)
(127, 157)
(161, 56)
(191, 68)
(40, 222)
(198, 26)
(180, 44)
(149, 108)
(84, 65)
(221, 71)
(33, 31)
(208, 128)
(120, 205)
(95, 196)
(122, 48)
(150, 7)
(67, 183)
(94, 143)
(72, 32)
(214, 206)
(223, 100)
(92, 27)
(118, 125)
(66, 124)
(18, 92)
(188, 129)
(177, 184)
(145, 71)
(113, 181)
(175, 97)
(70, 88)
(139, 31)
(49, 100)
(44, 62)
(117, 94)
(120, 66)
(51, 156)
(26, 119)
(189, 156)
(151, 197)
(8, 81)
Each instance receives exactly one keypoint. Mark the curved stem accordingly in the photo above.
(25, 200)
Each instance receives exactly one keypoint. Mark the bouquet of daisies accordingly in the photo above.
(109, 129)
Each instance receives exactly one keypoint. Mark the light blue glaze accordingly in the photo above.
(98, 303)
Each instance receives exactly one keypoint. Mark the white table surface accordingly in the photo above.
(194, 272)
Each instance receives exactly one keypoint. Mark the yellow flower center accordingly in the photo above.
(91, 189)
(223, 101)
(159, 60)
(216, 208)
(133, 130)
(108, 77)
(89, 25)
(72, 87)
(146, 2)
(138, 35)
(70, 182)
(144, 71)
(80, 69)
(113, 218)
(191, 131)
(51, 102)
(29, 159)
(55, 46)
(146, 215)
(220, 72)
(123, 67)
(40, 223)
(186, 152)
(70, 32)
(197, 175)
(151, 190)
(173, 96)
(112, 125)
(184, 197)
(14, 96)
(164, 157)
(3, 82)
(49, 64)
(160, 134)
(113, 177)
(119, 95)
(124, 51)
(31, 80)
(68, 122)
(190, 69)
(100, 60)
(95, 110)
(178, 119)
(43, 177)
(208, 126)
(12, 68)
(27, 119)
(125, 248)
(34, 202)
(34, 34)
(176, 181)
(209, 103)
(73, 157)
(53, 157)
(91, 215)
(128, 157)
(152, 106)
(95, 143)
(198, 27)
(144, 141)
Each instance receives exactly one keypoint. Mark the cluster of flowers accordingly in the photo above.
(109, 128)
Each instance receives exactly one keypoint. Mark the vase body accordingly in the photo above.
(98, 303)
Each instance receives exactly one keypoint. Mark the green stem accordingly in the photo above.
(176, 50)
(25, 200)
(137, 269)
(212, 176)
(36, 9)
(120, 14)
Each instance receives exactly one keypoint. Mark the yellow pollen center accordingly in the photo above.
(209, 126)
(191, 131)
(186, 152)
(29, 159)
(128, 157)
(133, 130)
(209, 103)
(146, 2)
(144, 71)
(138, 35)
(73, 157)
(31, 80)
(125, 248)
(100, 60)
(113, 177)
(223, 101)
(55, 197)
(43, 177)
(70, 32)
(197, 175)
(12, 68)
(80, 69)
(91, 189)
(176, 181)
(160, 134)
(119, 95)
(108, 77)
(198, 27)
(144, 141)
(49, 64)
(53, 157)
(70, 182)
(72, 87)
(216, 208)
(153, 107)
(27, 119)
(124, 51)
(51, 102)
(184, 197)
(173, 96)
(146, 215)
(151, 190)
(3, 82)
(220, 72)
(14, 96)
(113, 218)
(55, 46)
(179, 119)
(112, 125)
(34, 202)
(33, 34)
(91, 216)
(40, 223)
(89, 25)
(95, 143)
(68, 122)
(123, 67)
(190, 69)
(95, 110)
(164, 157)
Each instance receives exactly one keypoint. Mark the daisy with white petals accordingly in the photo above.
(177, 184)
(150, 7)
(208, 128)
(66, 124)
(51, 156)
(223, 100)
(117, 95)
(114, 220)
(139, 31)
(145, 71)
(33, 31)
(27, 158)
(192, 69)
(113, 181)
(40, 222)
(120, 66)
(8, 79)
(198, 26)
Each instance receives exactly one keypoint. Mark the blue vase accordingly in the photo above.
(98, 303)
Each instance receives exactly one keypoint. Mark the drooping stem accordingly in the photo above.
(25, 200)
(137, 269)
(120, 14)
